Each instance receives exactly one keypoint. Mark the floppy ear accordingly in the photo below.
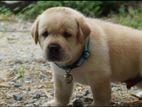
(34, 30)
(83, 30)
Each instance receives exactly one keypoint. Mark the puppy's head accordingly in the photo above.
(61, 33)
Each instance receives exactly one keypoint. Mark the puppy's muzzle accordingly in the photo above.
(54, 52)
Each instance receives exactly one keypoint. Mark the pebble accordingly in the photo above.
(18, 61)
(2, 56)
(88, 100)
(43, 77)
(86, 93)
(28, 89)
(29, 105)
(78, 103)
(36, 96)
(18, 97)
(37, 103)
(17, 85)
(27, 79)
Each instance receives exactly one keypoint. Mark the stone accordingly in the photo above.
(18, 97)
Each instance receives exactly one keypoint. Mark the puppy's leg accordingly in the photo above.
(62, 92)
(101, 91)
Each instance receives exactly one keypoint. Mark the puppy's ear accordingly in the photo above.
(83, 30)
(34, 30)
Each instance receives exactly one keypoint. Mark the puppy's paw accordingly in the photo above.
(52, 103)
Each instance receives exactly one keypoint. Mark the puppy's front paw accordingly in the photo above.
(52, 103)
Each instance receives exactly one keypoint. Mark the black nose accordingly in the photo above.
(53, 47)
(53, 52)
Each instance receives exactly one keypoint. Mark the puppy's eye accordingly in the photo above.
(66, 34)
(45, 34)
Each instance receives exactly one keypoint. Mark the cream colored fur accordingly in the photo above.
(115, 52)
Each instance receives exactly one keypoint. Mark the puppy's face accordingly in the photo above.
(60, 35)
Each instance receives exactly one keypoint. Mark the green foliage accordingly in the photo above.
(21, 72)
(5, 11)
(133, 19)
(117, 11)
(89, 8)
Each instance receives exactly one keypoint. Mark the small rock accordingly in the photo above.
(17, 85)
(37, 103)
(18, 97)
(29, 105)
(43, 77)
(18, 61)
(36, 96)
(13, 81)
(78, 103)
(86, 92)
(28, 89)
(2, 56)
(32, 101)
(27, 79)
(88, 100)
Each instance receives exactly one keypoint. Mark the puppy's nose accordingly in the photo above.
(53, 47)
(53, 52)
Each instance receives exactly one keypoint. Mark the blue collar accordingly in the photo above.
(85, 54)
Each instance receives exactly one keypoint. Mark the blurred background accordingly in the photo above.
(121, 11)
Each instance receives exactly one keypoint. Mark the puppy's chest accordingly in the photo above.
(77, 75)
(80, 76)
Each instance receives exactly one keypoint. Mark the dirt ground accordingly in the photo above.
(25, 78)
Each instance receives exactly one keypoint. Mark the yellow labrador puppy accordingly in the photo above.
(88, 51)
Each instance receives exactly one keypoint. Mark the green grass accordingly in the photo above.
(21, 71)
(132, 19)
(5, 11)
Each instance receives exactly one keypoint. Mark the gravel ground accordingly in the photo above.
(25, 78)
